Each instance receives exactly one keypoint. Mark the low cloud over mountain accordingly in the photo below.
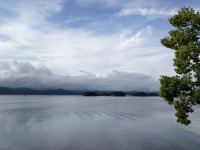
(22, 74)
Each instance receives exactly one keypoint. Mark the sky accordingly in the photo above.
(86, 44)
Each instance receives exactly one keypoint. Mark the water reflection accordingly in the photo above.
(92, 123)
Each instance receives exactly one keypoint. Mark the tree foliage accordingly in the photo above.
(183, 90)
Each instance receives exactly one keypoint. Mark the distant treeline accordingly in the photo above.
(119, 93)
(30, 91)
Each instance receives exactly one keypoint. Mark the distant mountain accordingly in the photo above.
(30, 91)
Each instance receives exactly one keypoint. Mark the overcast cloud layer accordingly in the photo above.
(85, 44)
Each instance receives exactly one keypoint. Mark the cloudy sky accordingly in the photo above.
(86, 44)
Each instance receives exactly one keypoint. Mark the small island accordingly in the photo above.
(105, 93)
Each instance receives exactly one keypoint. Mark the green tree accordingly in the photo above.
(183, 90)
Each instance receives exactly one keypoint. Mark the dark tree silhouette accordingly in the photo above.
(183, 90)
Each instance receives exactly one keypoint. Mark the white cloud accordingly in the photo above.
(67, 50)
(153, 8)
(29, 9)
(155, 12)
(31, 38)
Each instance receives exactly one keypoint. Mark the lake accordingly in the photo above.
(93, 123)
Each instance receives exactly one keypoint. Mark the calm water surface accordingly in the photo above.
(93, 123)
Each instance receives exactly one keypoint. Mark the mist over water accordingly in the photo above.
(93, 123)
